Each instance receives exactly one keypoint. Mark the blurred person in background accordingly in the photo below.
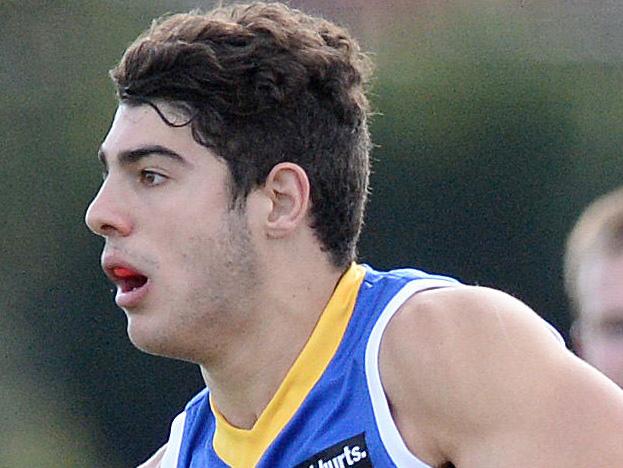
(594, 283)
(236, 176)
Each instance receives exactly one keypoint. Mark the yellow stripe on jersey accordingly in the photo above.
(241, 448)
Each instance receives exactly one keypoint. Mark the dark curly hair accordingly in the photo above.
(262, 83)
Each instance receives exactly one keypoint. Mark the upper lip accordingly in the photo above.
(111, 262)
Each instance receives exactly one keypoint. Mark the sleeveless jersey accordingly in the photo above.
(330, 411)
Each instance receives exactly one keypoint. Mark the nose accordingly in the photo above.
(107, 215)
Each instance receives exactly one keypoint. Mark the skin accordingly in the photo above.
(146, 205)
(598, 332)
(473, 376)
(227, 287)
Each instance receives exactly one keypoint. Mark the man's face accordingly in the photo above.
(601, 318)
(182, 259)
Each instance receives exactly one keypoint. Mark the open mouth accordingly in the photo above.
(128, 280)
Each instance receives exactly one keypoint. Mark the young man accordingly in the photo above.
(236, 177)
(594, 281)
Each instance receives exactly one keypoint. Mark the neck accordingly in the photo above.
(250, 368)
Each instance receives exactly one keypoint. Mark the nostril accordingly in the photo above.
(106, 219)
(106, 227)
(109, 229)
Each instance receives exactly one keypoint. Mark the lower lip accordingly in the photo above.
(132, 298)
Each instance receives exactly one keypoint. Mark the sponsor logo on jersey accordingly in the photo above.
(344, 454)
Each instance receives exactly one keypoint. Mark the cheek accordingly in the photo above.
(180, 247)
(613, 351)
(196, 258)
(205, 259)
(605, 354)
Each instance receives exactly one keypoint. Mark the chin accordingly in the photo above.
(146, 338)
(154, 341)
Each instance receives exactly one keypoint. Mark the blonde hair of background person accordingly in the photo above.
(236, 173)
(593, 271)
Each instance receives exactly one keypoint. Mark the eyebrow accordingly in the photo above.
(132, 156)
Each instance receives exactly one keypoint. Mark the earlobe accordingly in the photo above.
(287, 185)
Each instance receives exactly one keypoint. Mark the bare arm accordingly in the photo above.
(474, 377)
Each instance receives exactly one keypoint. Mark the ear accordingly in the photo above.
(287, 186)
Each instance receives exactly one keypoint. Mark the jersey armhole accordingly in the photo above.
(388, 432)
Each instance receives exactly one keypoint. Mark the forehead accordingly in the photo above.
(601, 286)
(138, 126)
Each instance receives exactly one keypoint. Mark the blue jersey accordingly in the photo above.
(330, 411)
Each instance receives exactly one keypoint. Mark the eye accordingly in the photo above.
(151, 178)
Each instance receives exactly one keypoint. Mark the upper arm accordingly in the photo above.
(475, 377)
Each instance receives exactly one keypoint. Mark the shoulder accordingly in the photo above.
(470, 371)
(465, 325)
(454, 317)
(443, 355)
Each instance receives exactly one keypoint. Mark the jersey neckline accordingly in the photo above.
(242, 447)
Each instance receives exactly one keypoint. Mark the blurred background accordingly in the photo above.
(498, 121)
